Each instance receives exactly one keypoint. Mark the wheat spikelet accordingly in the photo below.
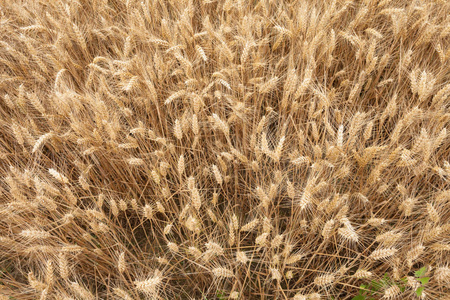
(134, 161)
(192, 224)
(305, 199)
(184, 211)
(35, 234)
(222, 272)
(201, 52)
(155, 176)
(17, 133)
(160, 208)
(149, 286)
(81, 291)
(291, 82)
(265, 200)
(195, 252)
(250, 225)
(294, 258)
(241, 257)
(391, 292)
(269, 85)
(122, 205)
(432, 234)
(340, 136)
(300, 160)
(58, 176)
(383, 253)
(217, 174)
(290, 190)
(63, 266)
(196, 198)
(113, 206)
(327, 229)
(41, 140)
(388, 238)
(49, 273)
(121, 264)
(181, 165)
(70, 195)
(277, 241)
(178, 130)
(276, 275)
(234, 222)
(324, 280)
(414, 253)
(215, 248)
(148, 212)
(432, 213)
(34, 283)
(167, 229)
(221, 124)
(407, 206)
(279, 149)
(80, 37)
(360, 274)
(174, 96)
(173, 247)
(305, 84)
(261, 239)
(442, 274)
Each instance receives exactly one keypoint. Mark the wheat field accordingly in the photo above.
(224, 149)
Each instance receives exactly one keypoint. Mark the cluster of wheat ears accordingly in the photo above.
(204, 149)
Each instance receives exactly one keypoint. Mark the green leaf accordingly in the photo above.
(424, 280)
(419, 291)
(375, 285)
(359, 297)
(420, 272)
(386, 280)
(362, 289)
(220, 295)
